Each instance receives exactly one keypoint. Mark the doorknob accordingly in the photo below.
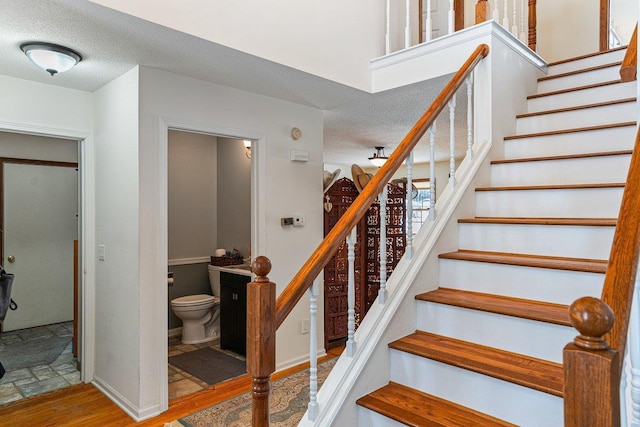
(11, 258)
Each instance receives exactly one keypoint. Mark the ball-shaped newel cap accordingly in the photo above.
(593, 318)
(261, 266)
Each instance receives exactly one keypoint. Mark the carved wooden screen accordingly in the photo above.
(337, 200)
(396, 239)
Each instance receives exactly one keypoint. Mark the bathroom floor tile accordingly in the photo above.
(18, 374)
(45, 386)
(183, 387)
(72, 377)
(43, 372)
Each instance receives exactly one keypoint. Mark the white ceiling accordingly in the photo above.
(111, 43)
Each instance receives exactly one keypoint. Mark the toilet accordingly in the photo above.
(200, 313)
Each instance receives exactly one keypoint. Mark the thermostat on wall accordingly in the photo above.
(299, 155)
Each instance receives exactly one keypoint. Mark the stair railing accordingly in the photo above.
(265, 314)
(628, 69)
(593, 361)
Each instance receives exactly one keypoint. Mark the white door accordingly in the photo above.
(40, 225)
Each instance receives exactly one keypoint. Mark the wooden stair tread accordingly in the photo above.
(580, 71)
(553, 187)
(526, 260)
(585, 56)
(576, 108)
(516, 307)
(574, 130)
(563, 157)
(575, 89)
(416, 408)
(519, 369)
(603, 222)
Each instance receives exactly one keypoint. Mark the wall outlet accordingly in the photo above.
(304, 327)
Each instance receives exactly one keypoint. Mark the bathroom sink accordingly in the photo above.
(246, 267)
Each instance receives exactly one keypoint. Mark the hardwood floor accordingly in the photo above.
(84, 405)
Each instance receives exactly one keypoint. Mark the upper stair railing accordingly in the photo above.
(628, 70)
(265, 314)
(593, 362)
(516, 16)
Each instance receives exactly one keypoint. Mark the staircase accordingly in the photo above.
(488, 346)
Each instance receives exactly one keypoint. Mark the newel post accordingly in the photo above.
(591, 368)
(261, 338)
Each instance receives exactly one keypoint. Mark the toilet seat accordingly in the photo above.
(194, 300)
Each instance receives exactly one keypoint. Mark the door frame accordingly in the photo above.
(86, 239)
(258, 220)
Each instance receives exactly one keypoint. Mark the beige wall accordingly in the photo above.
(34, 147)
(234, 196)
(192, 192)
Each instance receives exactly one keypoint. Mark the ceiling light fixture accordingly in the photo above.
(378, 159)
(52, 58)
(247, 146)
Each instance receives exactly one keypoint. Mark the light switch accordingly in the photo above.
(100, 252)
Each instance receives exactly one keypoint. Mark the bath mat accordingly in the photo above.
(33, 352)
(288, 403)
(209, 365)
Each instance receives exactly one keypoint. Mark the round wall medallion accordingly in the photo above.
(296, 133)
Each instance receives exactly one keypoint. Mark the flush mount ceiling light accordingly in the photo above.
(52, 58)
(378, 159)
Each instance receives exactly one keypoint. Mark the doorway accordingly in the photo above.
(208, 208)
(39, 219)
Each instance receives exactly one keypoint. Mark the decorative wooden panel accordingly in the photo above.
(337, 199)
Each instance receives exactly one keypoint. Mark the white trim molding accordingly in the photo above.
(188, 261)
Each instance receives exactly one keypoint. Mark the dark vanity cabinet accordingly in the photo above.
(233, 312)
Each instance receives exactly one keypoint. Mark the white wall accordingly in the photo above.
(285, 188)
(332, 38)
(119, 307)
(192, 189)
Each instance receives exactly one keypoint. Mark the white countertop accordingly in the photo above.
(241, 269)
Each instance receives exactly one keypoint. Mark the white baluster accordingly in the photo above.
(623, 387)
(432, 172)
(470, 116)
(634, 353)
(451, 17)
(496, 12)
(387, 39)
(429, 23)
(523, 34)
(409, 248)
(351, 293)
(407, 26)
(313, 352)
(452, 142)
(505, 18)
(382, 292)
(514, 27)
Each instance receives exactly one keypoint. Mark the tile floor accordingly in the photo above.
(180, 382)
(26, 382)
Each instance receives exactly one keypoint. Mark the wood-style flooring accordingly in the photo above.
(84, 405)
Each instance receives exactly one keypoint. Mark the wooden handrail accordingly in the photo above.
(592, 375)
(323, 253)
(628, 69)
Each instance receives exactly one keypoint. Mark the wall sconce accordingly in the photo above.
(378, 159)
(52, 58)
(247, 146)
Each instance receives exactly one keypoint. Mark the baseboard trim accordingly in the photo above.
(174, 332)
(123, 403)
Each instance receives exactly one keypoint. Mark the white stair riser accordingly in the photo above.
(501, 399)
(370, 418)
(593, 141)
(541, 340)
(582, 97)
(561, 203)
(608, 114)
(593, 242)
(585, 170)
(592, 61)
(542, 284)
(580, 79)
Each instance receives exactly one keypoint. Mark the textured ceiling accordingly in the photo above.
(111, 43)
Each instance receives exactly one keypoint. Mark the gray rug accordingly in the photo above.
(209, 365)
(33, 352)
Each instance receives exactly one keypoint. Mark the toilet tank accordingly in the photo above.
(214, 280)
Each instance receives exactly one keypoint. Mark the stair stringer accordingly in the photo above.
(368, 369)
